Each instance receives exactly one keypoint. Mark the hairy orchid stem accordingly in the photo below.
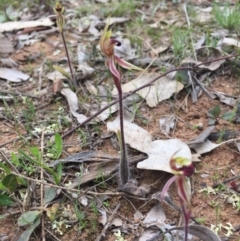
(124, 166)
(69, 62)
(187, 215)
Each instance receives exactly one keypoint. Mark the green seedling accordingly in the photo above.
(215, 114)
(179, 41)
(227, 16)
(81, 217)
(35, 158)
(55, 149)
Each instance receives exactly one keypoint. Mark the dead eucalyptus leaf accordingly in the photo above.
(13, 75)
(6, 46)
(156, 216)
(162, 89)
(135, 136)
(161, 152)
(204, 147)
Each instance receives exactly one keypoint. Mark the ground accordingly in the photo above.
(215, 180)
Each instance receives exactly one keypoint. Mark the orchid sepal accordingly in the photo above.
(125, 64)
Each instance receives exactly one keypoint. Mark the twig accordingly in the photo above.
(8, 162)
(144, 86)
(42, 186)
(65, 188)
(56, 238)
(18, 93)
(102, 234)
(69, 63)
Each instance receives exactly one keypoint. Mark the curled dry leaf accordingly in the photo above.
(73, 104)
(11, 26)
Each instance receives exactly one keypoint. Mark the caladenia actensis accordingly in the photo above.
(107, 44)
(182, 168)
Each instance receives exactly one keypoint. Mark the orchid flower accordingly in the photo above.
(59, 10)
(181, 168)
(107, 44)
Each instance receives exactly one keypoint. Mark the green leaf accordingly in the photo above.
(49, 194)
(62, 71)
(5, 200)
(5, 168)
(210, 115)
(10, 182)
(211, 122)
(28, 218)
(28, 232)
(58, 145)
(15, 160)
(36, 153)
(182, 77)
(216, 111)
(38, 163)
(228, 115)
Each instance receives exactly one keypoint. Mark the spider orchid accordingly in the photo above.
(107, 44)
(181, 168)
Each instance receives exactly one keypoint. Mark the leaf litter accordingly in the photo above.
(142, 136)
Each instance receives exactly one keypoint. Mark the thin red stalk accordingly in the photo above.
(186, 219)
(69, 62)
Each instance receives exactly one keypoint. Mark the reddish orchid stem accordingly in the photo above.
(187, 216)
(68, 60)
(124, 165)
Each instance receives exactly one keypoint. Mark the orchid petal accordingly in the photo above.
(106, 34)
(166, 187)
(183, 190)
(112, 68)
(125, 64)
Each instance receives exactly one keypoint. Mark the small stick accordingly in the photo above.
(42, 186)
(102, 234)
